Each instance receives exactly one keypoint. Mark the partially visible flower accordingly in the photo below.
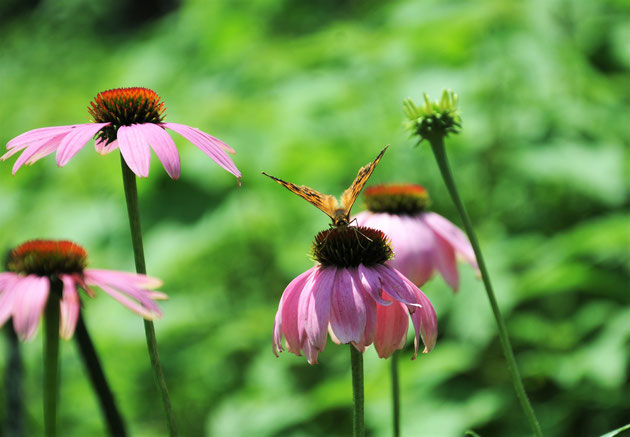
(422, 241)
(433, 119)
(353, 294)
(38, 268)
(129, 119)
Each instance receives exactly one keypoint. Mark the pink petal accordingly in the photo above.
(347, 317)
(35, 135)
(216, 141)
(446, 262)
(104, 149)
(133, 306)
(112, 281)
(425, 323)
(207, 146)
(7, 295)
(391, 328)
(75, 140)
(135, 149)
(314, 307)
(310, 352)
(371, 283)
(451, 233)
(115, 277)
(69, 306)
(286, 321)
(164, 148)
(394, 286)
(370, 322)
(31, 294)
(36, 151)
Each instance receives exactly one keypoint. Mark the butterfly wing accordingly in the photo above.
(350, 195)
(324, 202)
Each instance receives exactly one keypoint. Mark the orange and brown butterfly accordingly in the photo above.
(338, 212)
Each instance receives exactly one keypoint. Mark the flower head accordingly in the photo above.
(422, 241)
(38, 268)
(353, 294)
(129, 119)
(433, 119)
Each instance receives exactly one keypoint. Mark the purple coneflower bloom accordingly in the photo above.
(40, 267)
(422, 241)
(129, 119)
(354, 295)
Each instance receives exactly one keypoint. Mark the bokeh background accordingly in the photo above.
(311, 91)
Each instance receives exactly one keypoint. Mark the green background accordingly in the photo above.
(311, 91)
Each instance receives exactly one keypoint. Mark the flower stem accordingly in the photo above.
(13, 383)
(356, 361)
(131, 197)
(395, 395)
(114, 420)
(437, 144)
(51, 358)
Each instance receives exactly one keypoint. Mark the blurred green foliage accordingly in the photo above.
(310, 91)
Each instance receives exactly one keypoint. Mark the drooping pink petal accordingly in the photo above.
(111, 282)
(446, 262)
(7, 294)
(370, 320)
(425, 324)
(75, 140)
(310, 352)
(114, 277)
(42, 133)
(216, 141)
(391, 328)
(347, 316)
(135, 149)
(395, 287)
(164, 148)
(371, 283)
(455, 236)
(210, 148)
(31, 294)
(415, 255)
(314, 307)
(69, 306)
(286, 321)
(104, 149)
(37, 150)
(133, 306)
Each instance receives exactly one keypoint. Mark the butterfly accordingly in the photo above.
(338, 212)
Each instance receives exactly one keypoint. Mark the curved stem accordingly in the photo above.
(114, 420)
(51, 358)
(437, 144)
(395, 395)
(13, 382)
(131, 197)
(356, 362)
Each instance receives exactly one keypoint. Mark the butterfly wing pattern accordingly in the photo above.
(324, 202)
(340, 215)
(350, 195)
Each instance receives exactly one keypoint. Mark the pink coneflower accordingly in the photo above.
(40, 267)
(129, 119)
(422, 241)
(353, 294)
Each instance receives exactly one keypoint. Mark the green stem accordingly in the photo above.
(51, 358)
(437, 144)
(114, 420)
(131, 197)
(395, 395)
(356, 361)
(13, 382)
